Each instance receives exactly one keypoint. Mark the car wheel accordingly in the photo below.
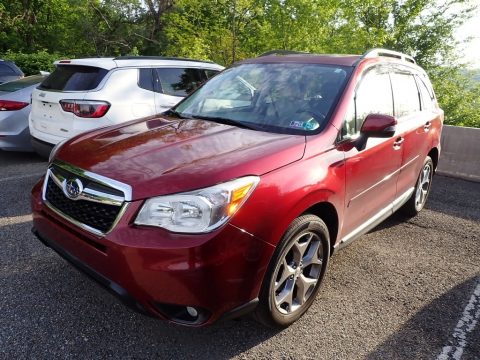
(422, 188)
(295, 272)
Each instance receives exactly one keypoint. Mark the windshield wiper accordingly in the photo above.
(226, 121)
(177, 114)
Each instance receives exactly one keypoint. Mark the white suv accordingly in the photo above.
(86, 94)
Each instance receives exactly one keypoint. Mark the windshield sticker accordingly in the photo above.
(297, 124)
(304, 125)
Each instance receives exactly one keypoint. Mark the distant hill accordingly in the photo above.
(474, 74)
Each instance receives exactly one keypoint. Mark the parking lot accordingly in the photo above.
(396, 293)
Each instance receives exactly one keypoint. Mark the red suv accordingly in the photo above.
(235, 200)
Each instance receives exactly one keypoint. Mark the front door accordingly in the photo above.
(372, 171)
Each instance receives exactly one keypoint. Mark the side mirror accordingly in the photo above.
(375, 125)
(378, 125)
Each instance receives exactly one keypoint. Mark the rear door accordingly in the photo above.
(413, 127)
(67, 82)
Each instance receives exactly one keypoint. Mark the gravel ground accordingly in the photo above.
(395, 293)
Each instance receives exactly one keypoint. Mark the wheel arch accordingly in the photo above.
(327, 212)
(434, 154)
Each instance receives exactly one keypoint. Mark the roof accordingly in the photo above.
(287, 56)
(132, 61)
(343, 60)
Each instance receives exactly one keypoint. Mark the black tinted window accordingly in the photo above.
(374, 96)
(74, 78)
(406, 95)
(145, 79)
(180, 82)
(211, 73)
(6, 70)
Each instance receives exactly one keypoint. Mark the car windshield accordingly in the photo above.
(21, 83)
(285, 98)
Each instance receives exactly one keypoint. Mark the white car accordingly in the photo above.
(86, 94)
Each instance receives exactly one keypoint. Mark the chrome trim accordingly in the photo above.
(377, 218)
(386, 178)
(89, 194)
(99, 179)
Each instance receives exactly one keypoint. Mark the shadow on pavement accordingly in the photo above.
(455, 197)
(421, 337)
(15, 157)
(71, 314)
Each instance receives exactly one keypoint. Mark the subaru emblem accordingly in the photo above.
(72, 188)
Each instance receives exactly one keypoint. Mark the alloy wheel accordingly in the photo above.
(298, 273)
(423, 186)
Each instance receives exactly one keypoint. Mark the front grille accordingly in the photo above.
(95, 207)
(96, 215)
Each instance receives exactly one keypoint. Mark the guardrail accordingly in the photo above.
(460, 156)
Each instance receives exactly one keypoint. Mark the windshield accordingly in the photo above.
(285, 98)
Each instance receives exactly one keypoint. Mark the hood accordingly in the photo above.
(158, 156)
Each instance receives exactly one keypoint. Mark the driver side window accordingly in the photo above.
(373, 96)
(236, 93)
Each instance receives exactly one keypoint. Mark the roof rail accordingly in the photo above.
(281, 52)
(133, 57)
(388, 53)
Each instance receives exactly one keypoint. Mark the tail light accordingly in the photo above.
(85, 108)
(8, 105)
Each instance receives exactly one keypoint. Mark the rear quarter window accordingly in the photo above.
(211, 73)
(74, 78)
(428, 99)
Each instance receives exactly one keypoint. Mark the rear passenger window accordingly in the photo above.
(180, 82)
(405, 93)
(428, 102)
(373, 96)
(73, 78)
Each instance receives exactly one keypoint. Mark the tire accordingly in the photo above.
(422, 188)
(295, 272)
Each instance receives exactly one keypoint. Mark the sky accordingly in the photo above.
(471, 28)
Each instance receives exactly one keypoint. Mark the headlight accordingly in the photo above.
(55, 150)
(198, 211)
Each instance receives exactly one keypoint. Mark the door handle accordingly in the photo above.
(398, 142)
(427, 125)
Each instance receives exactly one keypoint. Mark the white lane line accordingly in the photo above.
(465, 325)
(15, 220)
(19, 177)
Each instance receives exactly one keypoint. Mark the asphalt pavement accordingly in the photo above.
(406, 290)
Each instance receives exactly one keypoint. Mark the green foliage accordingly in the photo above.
(33, 63)
(459, 95)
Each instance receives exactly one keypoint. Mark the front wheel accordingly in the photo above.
(295, 272)
(422, 188)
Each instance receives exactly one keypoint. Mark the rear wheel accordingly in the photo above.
(422, 188)
(295, 273)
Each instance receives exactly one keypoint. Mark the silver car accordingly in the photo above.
(15, 98)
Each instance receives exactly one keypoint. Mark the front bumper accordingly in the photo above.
(161, 273)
